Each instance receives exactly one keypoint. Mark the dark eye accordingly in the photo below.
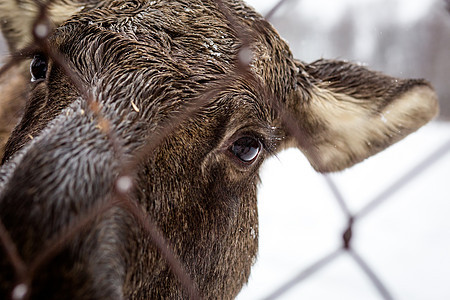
(246, 149)
(38, 67)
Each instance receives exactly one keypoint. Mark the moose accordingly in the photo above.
(161, 112)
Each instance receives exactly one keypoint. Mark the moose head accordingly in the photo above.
(164, 111)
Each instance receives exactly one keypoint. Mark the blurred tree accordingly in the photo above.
(418, 48)
(434, 51)
(342, 36)
(3, 49)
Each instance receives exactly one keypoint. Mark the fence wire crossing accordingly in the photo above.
(25, 272)
(352, 220)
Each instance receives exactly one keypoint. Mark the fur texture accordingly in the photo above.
(144, 62)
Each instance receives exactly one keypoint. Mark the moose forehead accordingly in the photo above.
(177, 47)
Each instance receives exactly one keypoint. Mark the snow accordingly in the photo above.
(405, 240)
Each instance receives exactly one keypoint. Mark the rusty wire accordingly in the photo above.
(25, 273)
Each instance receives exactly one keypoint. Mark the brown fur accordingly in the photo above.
(143, 62)
(14, 91)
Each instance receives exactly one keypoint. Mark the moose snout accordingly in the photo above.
(62, 179)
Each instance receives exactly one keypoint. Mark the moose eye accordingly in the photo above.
(38, 67)
(246, 149)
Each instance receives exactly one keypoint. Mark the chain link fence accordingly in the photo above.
(399, 225)
(351, 217)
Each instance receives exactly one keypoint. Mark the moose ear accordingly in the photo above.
(353, 113)
(18, 16)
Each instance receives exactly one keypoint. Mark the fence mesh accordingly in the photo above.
(25, 272)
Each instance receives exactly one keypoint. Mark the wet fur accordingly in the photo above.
(157, 57)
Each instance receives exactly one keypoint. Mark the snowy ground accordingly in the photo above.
(406, 240)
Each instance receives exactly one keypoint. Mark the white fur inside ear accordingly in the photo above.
(17, 32)
(62, 11)
(19, 16)
(355, 129)
(412, 109)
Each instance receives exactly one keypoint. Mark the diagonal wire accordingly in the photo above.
(161, 242)
(371, 274)
(405, 179)
(306, 273)
(128, 170)
(11, 251)
(338, 195)
(275, 8)
(68, 233)
(17, 57)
